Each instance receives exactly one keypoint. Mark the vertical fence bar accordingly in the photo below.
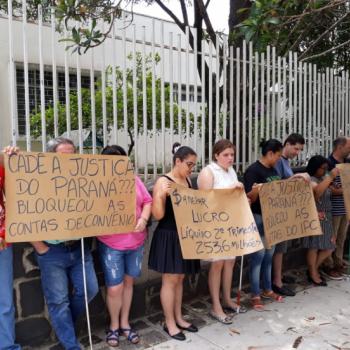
(327, 110)
(284, 64)
(323, 114)
(340, 87)
(210, 131)
(135, 102)
(179, 88)
(80, 104)
(42, 82)
(114, 86)
(231, 94)
(279, 90)
(256, 109)
(93, 101)
(54, 72)
(187, 70)
(262, 96)
(343, 103)
(217, 86)
(244, 104)
(301, 130)
(290, 92)
(273, 109)
(171, 88)
(250, 104)
(26, 76)
(238, 79)
(144, 102)
(125, 84)
(305, 103)
(224, 75)
(332, 120)
(295, 93)
(203, 84)
(314, 110)
(14, 131)
(162, 94)
(103, 90)
(310, 87)
(347, 116)
(335, 110)
(195, 86)
(67, 86)
(318, 128)
(268, 91)
(154, 102)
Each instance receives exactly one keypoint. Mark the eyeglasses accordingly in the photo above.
(325, 167)
(190, 164)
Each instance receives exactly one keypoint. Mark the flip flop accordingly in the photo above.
(242, 309)
(257, 304)
(223, 319)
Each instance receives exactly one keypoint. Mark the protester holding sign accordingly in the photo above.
(7, 309)
(260, 263)
(60, 264)
(320, 247)
(292, 146)
(336, 266)
(220, 174)
(121, 258)
(165, 254)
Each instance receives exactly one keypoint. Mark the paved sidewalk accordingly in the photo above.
(316, 318)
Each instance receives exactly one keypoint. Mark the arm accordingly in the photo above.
(40, 247)
(321, 187)
(160, 191)
(145, 214)
(304, 176)
(205, 179)
(251, 186)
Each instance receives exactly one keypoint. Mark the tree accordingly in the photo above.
(86, 105)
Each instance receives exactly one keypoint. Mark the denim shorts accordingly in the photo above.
(118, 263)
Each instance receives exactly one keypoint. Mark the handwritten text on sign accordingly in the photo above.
(65, 196)
(345, 183)
(289, 210)
(214, 223)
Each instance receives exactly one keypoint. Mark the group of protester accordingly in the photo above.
(62, 262)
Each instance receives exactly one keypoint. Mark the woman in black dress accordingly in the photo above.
(165, 254)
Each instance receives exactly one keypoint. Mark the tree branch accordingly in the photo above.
(327, 51)
(324, 34)
(207, 4)
(171, 14)
(184, 12)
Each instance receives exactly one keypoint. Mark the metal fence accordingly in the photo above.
(144, 90)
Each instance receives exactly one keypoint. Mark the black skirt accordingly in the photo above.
(165, 255)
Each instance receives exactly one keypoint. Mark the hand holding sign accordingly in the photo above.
(214, 223)
(65, 196)
(288, 210)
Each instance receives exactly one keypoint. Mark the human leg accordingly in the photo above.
(7, 310)
(226, 281)
(266, 267)
(54, 279)
(311, 259)
(339, 245)
(214, 283)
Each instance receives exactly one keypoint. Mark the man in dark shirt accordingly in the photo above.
(335, 266)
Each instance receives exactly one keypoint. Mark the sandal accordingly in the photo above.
(272, 296)
(130, 335)
(257, 304)
(112, 338)
(233, 309)
(223, 319)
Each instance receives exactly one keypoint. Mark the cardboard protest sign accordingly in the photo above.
(214, 223)
(288, 210)
(344, 170)
(66, 196)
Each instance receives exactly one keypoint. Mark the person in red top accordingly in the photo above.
(7, 310)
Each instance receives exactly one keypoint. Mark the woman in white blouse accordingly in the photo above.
(220, 174)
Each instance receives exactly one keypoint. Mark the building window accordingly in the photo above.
(34, 90)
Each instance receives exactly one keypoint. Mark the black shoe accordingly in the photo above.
(283, 291)
(191, 328)
(323, 283)
(288, 280)
(178, 336)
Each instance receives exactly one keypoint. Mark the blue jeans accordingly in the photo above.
(260, 263)
(7, 309)
(118, 263)
(60, 267)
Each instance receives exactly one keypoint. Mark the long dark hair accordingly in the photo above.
(114, 150)
(315, 163)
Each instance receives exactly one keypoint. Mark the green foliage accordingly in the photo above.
(86, 103)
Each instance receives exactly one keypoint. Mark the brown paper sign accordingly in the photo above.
(66, 196)
(288, 210)
(214, 223)
(345, 183)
